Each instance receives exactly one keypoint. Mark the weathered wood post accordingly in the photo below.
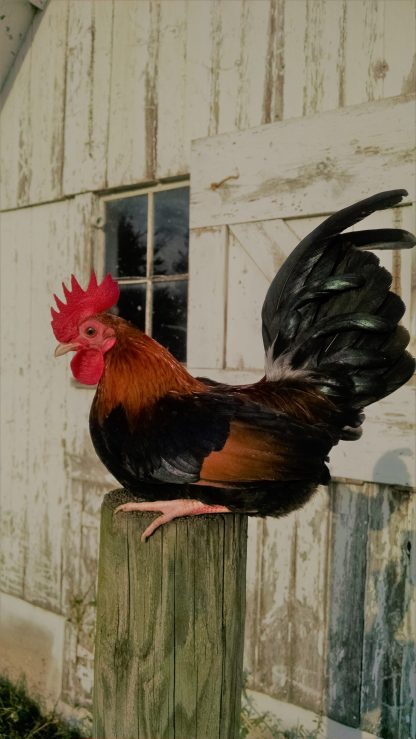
(170, 626)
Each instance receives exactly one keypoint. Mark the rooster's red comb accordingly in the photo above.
(82, 303)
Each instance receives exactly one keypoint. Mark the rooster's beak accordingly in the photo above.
(64, 348)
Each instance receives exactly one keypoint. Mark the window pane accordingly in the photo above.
(170, 301)
(126, 236)
(132, 304)
(171, 233)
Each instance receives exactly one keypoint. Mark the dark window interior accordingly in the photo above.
(152, 266)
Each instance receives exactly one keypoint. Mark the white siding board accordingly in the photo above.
(252, 62)
(267, 243)
(198, 72)
(47, 102)
(40, 247)
(87, 94)
(257, 250)
(47, 412)
(386, 452)
(324, 50)
(408, 276)
(294, 58)
(15, 139)
(172, 158)
(309, 606)
(247, 285)
(281, 175)
(206, 298)
(229, 66)
(365, 63)
(269, 620)
(130, 79)
(399, 47)
(15, 388)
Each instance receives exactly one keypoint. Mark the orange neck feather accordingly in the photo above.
(138, 371)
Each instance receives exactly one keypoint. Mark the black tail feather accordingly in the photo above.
(329, 313)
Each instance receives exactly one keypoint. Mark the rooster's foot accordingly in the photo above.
(170, 509)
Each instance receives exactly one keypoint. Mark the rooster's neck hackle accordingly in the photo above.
(138, 371)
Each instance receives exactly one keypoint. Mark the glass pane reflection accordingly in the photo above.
(171, 234)
(170, 300)
(132, 304)
(126, 236)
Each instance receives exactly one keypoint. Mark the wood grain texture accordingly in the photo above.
(387, 700)
(256, 251)
(124, 87)
(47, 104)
(208, 256)
(170, 626)
(87, 92)
(132, 106)
(308, 604)
(269, 638)
(40, 409)
(347, 563)
(368, 144)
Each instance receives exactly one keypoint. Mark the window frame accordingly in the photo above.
(99, 255)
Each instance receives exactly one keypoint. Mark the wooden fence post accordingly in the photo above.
(170, 626)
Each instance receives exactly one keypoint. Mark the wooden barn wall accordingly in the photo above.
(107, 94)
(110, 93)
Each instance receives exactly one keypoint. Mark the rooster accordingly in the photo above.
(188, 446)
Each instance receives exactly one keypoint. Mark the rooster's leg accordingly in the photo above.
(171, 509)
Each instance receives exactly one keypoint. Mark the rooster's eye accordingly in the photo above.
(90, 331)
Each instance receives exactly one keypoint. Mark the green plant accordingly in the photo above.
(21, 717)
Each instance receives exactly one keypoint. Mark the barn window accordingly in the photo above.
(146, 250)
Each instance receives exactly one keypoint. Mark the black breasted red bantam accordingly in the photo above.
(188, 445)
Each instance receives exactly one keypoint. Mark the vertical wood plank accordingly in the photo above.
(407, 699)
(15, 358)
(272, 108)
(294, 58)
(365, 63)
(269, 636)
(309, 605)
(47, 411)
(407, 218)
(247, 286)
(87, 94)
(15, 138)
(172, 149)
(131, 108)
(324, 55)
(47, 102)
(199, 69)
(255, 23)
(257, 250)
(399, 47)
(347, 564)
(228, 66)
(60, 238)
(386, 607)
(206, 299)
